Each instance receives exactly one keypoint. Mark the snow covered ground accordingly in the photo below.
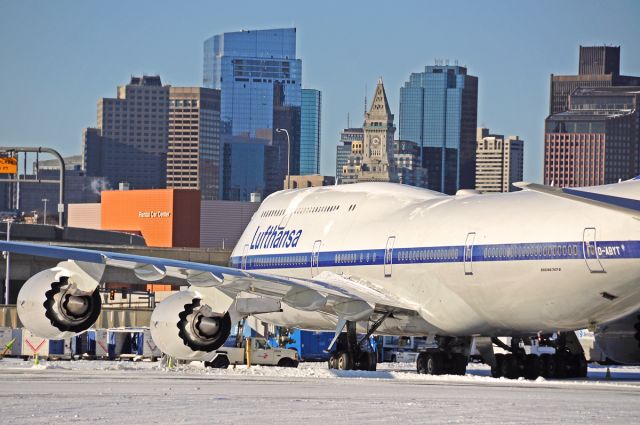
(145, 393)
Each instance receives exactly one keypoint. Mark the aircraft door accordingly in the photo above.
(468, 253)
(243, 262)
(388, 256)
(590, 250)
(315, 258)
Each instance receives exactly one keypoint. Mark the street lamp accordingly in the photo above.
(280, 130)
(7, 275)
(44, 218)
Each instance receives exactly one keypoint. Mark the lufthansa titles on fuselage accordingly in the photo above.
(275, 237)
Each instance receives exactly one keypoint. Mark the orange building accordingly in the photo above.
(164, 217)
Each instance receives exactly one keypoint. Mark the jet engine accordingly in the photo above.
(620, 340)
(62, 301)
(185, 326)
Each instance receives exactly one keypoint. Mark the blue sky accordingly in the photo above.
(57, 58)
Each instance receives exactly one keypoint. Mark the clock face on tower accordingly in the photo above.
(375, 142)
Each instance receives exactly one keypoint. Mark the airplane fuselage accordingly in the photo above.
(493, 264)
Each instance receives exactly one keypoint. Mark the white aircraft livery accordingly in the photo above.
(388, 259)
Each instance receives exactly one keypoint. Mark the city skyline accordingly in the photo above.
(64, 56)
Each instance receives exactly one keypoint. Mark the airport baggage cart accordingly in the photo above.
(80, 345)
(6, 335)
(60, 348)
(98, 343)
(31, 344)
(119, 342)
(150, 349)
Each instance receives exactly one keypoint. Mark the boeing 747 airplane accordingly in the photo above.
(382, 258)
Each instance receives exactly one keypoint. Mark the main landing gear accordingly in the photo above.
(450, 358)
(568, 361)
(350, 353)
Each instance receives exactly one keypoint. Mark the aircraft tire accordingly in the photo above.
(333, 361)
(434, 364)
(458, 364)
(373, 365)
(532, 367)
(421, 363)
(547, 366)
(368, 361)
(561, 365)
(581, 366)
(496, 371)
(510, 366)
(345, 362)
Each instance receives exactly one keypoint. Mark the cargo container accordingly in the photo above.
(27, 344)
(6, 335)
(98, 343)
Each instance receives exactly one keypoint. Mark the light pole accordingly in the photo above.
(6, 269)
(280, 130)
(44, 218)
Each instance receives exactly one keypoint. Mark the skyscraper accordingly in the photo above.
(499, 161)
(131, 139)
(343, 150)
(310, 131)
(260, 82)
(597, 141)
(194, 140)
(438, 111)
(599, 66)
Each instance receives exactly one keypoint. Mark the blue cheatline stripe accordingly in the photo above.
(632, 204)
(445, 254)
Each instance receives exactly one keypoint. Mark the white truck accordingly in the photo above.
(260, 353)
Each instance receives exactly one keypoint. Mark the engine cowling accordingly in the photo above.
(59, 302)
(185, 326)
(620, 340)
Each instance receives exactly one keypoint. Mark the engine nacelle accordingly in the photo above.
(61, 302)
(184, 326)
(620, 340)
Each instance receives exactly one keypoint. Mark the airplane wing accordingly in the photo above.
(603, 196)
(328, 292)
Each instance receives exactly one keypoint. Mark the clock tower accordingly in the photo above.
(377, 154)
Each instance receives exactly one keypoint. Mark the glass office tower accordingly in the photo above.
(310, 132)
(438, 110)
(260, 82)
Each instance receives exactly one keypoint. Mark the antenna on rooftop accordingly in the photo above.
(365, 99)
